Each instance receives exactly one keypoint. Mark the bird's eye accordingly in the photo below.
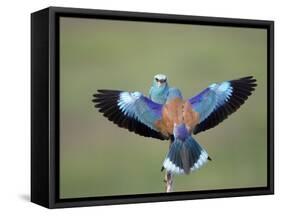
(157, 80)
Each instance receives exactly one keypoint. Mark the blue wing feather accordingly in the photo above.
(218, 101)
(130, 110)
(140, 108)
(204, 103)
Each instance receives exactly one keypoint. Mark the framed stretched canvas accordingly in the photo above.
(138, 107)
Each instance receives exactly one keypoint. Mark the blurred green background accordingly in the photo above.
(99, 159)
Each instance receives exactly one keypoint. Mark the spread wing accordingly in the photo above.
(218, 101)
(130, 110)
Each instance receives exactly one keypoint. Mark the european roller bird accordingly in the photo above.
(166, 115)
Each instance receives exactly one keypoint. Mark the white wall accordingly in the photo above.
(15, 106)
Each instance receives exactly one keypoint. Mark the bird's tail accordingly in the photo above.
(185, 155)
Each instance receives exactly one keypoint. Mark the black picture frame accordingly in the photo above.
(45, 106)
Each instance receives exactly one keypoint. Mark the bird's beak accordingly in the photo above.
(158, 84)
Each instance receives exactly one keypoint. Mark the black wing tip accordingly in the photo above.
(104, 95)
(247, 84)
(108, 91)
(247, 79)
(101, 92)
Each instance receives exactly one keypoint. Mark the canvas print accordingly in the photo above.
(165, 115)
(150, 107)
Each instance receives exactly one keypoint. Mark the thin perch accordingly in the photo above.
(169, 177)
(169, 182)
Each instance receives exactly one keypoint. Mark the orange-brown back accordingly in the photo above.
(177, 111)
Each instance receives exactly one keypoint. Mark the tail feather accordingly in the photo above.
(185, 156)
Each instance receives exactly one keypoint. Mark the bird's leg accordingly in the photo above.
(169, 182)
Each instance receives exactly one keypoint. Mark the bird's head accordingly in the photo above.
(160, 81)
